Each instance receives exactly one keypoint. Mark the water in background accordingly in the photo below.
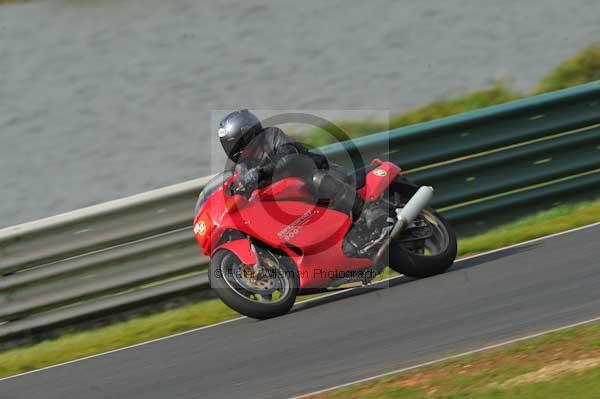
(100, 99)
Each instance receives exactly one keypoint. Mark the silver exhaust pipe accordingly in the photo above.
(405, 217)
(415, 205)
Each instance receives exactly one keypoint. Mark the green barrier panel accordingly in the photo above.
(481, 215)
(513, 168)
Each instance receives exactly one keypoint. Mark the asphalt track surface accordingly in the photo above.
(484, 300)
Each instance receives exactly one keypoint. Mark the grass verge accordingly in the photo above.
(558, 219)
(81, 344)
(562, 364)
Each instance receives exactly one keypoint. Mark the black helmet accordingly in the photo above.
(237, 130)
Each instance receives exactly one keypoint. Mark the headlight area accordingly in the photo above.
(202, 229)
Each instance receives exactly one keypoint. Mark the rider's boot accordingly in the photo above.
(368, 219)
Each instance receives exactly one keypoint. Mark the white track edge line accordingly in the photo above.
(451, 357)
(162, 338)
(308, 300)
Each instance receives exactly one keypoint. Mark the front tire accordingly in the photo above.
(228, 280)
(437, 255)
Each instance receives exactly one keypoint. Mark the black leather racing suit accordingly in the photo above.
(277, 156)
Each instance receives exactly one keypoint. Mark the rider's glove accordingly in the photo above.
(250, 178)
(246, 183)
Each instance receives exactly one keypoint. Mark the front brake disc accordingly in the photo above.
(262, 284)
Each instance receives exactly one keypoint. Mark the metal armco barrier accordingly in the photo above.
(487, 166)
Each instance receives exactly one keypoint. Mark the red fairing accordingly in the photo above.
(316, 231)
(378, 180)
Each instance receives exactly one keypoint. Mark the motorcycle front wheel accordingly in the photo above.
(270, 293)
(432, 256)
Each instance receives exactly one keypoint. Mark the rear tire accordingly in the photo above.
(233, 295)
(418, 265)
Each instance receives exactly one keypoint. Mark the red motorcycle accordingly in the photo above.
(280, 241)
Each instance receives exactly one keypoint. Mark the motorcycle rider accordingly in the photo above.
(263, 155)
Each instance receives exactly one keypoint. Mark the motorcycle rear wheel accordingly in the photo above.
(437, 255)
(270, 297)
